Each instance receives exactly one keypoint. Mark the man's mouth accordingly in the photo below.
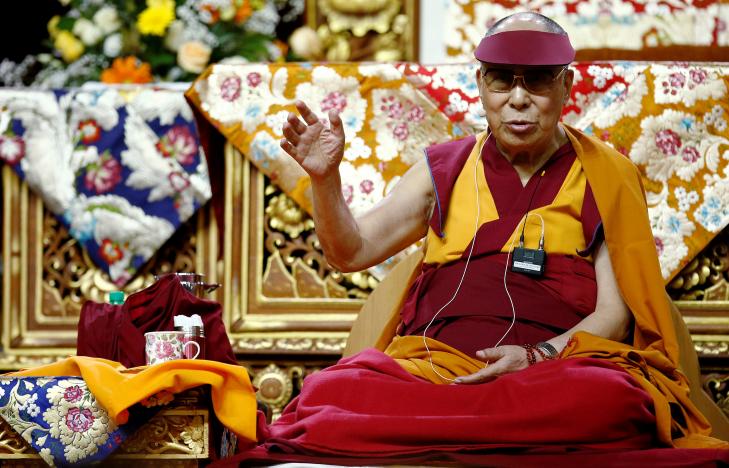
(519, 126)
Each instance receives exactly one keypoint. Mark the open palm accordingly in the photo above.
(317, 147)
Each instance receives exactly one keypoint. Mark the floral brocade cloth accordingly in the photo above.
(63, 422)
(670, 119)
(597, 24)
(120, 166)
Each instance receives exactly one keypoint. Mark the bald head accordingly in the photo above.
(525, 21)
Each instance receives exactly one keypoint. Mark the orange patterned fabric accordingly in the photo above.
(117, 388)
(652, 359)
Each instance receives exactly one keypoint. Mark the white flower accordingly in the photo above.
(618, 102)
(713, 212)
(275, 122)
(107, 19)
(87, 31)
(674, 84)
(357, 149)
(675, 143)
(670, 227)
(193, 56)
(45, 454)
(81, 425)
(362, 186)
(113, 45)
(175, 35)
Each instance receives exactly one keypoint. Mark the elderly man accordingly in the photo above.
(539, 299)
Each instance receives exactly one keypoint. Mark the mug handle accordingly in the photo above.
(197, 353)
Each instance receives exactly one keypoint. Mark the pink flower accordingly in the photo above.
(659, 245)
(334, 100)
(110, 251)
(90, 131)
(416, 114)
(348, 193)
(179, 143)
(690, 154)
(675, 81)
(103, 176)
(12, 149)
(230, 88)
(401, 131)
(698, 75)
(79, 420)
(178, 181)
(73, 394)
(394, 110)
(253, 79)
(163, 349)
(367, 186)
(668, 142)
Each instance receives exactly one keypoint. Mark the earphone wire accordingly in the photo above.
(465, 268)
(468, 259)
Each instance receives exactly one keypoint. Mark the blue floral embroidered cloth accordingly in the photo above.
(63, 422)
(120, 167)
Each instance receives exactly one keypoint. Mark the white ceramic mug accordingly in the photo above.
(162, 346)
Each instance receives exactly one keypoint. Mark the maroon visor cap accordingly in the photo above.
(530, 48)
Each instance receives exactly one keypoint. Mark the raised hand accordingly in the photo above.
(318, 147)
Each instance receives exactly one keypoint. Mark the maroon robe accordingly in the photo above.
(117, 332)
(481, 313)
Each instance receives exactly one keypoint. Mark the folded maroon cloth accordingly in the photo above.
(117, 332)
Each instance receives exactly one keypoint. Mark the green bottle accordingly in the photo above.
(116, 298)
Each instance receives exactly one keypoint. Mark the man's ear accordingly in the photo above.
(569, 77)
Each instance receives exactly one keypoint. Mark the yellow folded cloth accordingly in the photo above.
(116, 388)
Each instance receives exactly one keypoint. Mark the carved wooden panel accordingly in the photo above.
(365, 30)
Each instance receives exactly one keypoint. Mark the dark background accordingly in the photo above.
(24, 27)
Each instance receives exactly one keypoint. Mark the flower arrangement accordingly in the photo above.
(138, 41)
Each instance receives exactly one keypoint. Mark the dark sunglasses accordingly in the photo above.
(534, 80)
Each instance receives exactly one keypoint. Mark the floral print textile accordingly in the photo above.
(62, 421)
(670, 119)
(597, 24)
(119, 166)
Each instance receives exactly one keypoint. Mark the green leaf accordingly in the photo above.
(66, 23)
(161, 60)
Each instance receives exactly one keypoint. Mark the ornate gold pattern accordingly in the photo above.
(275, 387)
(706, 277)
(172, 432)
(326, 345)
(712, 348)
(718, 388)
(11, 443)
(358, 30)
(295, 265)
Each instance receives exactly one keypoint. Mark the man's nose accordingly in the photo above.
(518, 96)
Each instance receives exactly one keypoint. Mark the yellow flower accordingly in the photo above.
(161, 3)
(69, 46)
(156, 17)
(53, 26)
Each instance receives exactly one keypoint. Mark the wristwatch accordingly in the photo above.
(548, 349)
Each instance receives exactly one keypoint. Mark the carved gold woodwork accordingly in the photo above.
(359, 30)
(173, 437)
(706, 277)
(718, 388)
